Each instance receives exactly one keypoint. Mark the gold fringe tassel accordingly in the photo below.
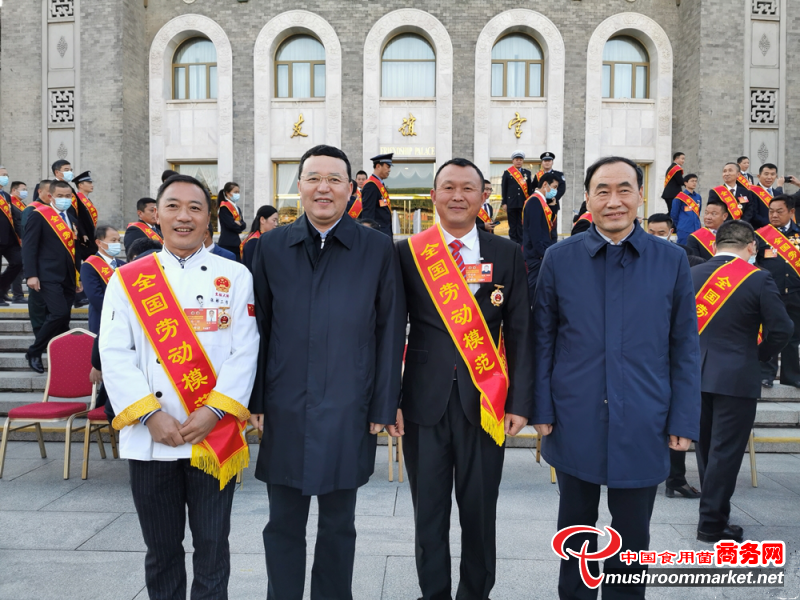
(496, 429)
(208, 463)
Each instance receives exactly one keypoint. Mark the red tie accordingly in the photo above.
(455, 247)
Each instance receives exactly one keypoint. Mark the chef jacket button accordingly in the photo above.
(158, 394)
(158, 361)
(203, 268)
(605, 401)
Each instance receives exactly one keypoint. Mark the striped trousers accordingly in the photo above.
(162, 492)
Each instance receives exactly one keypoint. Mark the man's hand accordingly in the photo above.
(95, 376)
(681, 444)
(544, 429)
(164, 429)
(33, 283)
(780, 182)
(198, 425)
(257, 421)
(78, 288)
(398, 429)
(375, 428)
(514, 424)
(504, 206)
(489, 227)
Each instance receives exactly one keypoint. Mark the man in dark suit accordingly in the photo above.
(487, 207)
(50, 265)
(441, 414)
(739, 200)
(729, 350)
(98, 269)
(560, 186)
(785, 274)
(701, 242)
(743, 163)
(673, 180)
(765, 189)
(375, 202)
(9, 238)
(327, 384)
(208, 242)
(613, 394)
(537, 225)
(146, 226)
(515, 187)
(84, 224)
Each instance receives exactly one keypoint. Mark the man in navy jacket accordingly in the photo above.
(617, 368)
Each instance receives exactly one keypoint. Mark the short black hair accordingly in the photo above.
(211, 230)
(661, 218)
(486, 181)
(789, 200)
(610, 160)
(717, 202)
(767, 166)
(57, 183)
(140, 246)
(323, 150)
(59, 164)
(459, 162)
(677, 154)
(16, 184)
(101, 231)
(735, 233)
(367, 222)
(141, 203)
(183, 179)
(741, 158)
(548, 177)
(690, 176)
(364, 173)
(167, 174)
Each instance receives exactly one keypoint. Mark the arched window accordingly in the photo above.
(194, 70)
(517, 67)
(408, 68)
(625, 69)
(300, 68)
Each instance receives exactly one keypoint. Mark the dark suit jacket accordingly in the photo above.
(749, 207)
(695, 248)
(220, 251)
(249, 252)
(134, 233)
(85, 226)
(512, 193)
(9, 230)
(431, 353)
(561, 190)
(580, 226)
(729, 348)
(675, 185)
(785, 276)
(229, 229)
(371, 208)
(44, 255)
(536, 238)
(481, 224)
(95, 289)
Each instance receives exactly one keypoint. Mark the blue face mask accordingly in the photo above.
(551, 194)
(68, 175)
(63, 204)
(235, 197)
(23, 194)
(3, 180)
(114, 248)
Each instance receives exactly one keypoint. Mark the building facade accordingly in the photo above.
(237, 90)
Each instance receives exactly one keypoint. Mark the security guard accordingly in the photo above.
(777, 242)
(515, 187)
(547, 159)
(374, 196)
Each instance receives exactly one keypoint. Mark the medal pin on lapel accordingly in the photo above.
(497, 296)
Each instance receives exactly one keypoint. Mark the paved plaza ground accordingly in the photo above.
(65, 540)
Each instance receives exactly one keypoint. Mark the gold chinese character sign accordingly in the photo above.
(297, 128)
(516, 123)
(407, 128)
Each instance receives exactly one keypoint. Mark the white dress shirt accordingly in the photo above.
(471, 252)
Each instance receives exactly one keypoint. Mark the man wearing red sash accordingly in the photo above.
(734, 299)
(327, 382)
(583, 222)
(84, 241)
(460, 396)
(484, 220)
(375, 202)
(515, 187)
(613, 394)
(779, 253)
(737, 198)
(764, 190)
(10, 234)
(96, 271)
(701, 242)
(538, 221)
(685, 213)
(146, 226)
(178, 342)
(673, 180)
(560, 186)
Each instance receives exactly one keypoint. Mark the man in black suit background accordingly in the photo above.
(673, 181)
(440, 408)
(515, 192)
(146, 226)
(487, 206)
(700, 243)
(729, 350)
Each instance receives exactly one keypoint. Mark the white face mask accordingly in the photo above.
(63, 204)
(235, 197)
(752, 260)
(23, 194)
(113, 248)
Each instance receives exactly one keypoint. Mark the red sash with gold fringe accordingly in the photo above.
(707, 240)
(671, 173)
(148, 231)
(102, 267)
(718, 289)
(762, 194)
(519, 179)
(253, 236)
(355, 210)
(732, 203)
(89, 206)
(689, 201)
(384, 202)
(231, 207)
(5, 208)
(782, 246)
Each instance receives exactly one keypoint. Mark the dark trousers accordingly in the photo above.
(234, 249)
(515, 224)
(725, 424)
(13, 255)
(37, 310)
(677, 469)
(285, 544)
(58, 299)
(790, 358)
(631, 509)
(453, 450)
(16, 286)
(162, 491)
(533, 265)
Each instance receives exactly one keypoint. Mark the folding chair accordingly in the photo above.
(751, 446)
(395, 454)
(70, 362)
(96, 421)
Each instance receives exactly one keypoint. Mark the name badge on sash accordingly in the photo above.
(480, 273)
(202, 319)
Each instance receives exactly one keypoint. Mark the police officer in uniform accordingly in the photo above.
(547, 159)
(374, 205)
(514, 194)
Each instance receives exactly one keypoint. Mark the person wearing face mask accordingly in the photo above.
(538, 220)
(51, 265)
(547, 159)
(19, 193)
(10, 224)
(85, 210)
(734, 299)
(97, 270)
(231, 221)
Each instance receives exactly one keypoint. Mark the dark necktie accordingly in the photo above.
(113, 263)
(455, 249)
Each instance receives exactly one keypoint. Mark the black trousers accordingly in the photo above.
(285, 544)
(790, 357)
(234, 249)
(13, 255)
(631, 509)
(58, 299)
(162, 492)
(677, 469)
(16, 286)
(533, 266)
(515, 224)
(37, 310)
(725, 424)
(454, 450)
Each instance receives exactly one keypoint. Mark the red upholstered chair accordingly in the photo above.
(70, 362)
(96, 421)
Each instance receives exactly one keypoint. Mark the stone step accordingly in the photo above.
(780, 393)
(15, 343)
(22, 381)
(20, 311)
(19, 326)
(15, 361)
(774, 437)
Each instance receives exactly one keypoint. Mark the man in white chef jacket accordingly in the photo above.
(179, 345)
